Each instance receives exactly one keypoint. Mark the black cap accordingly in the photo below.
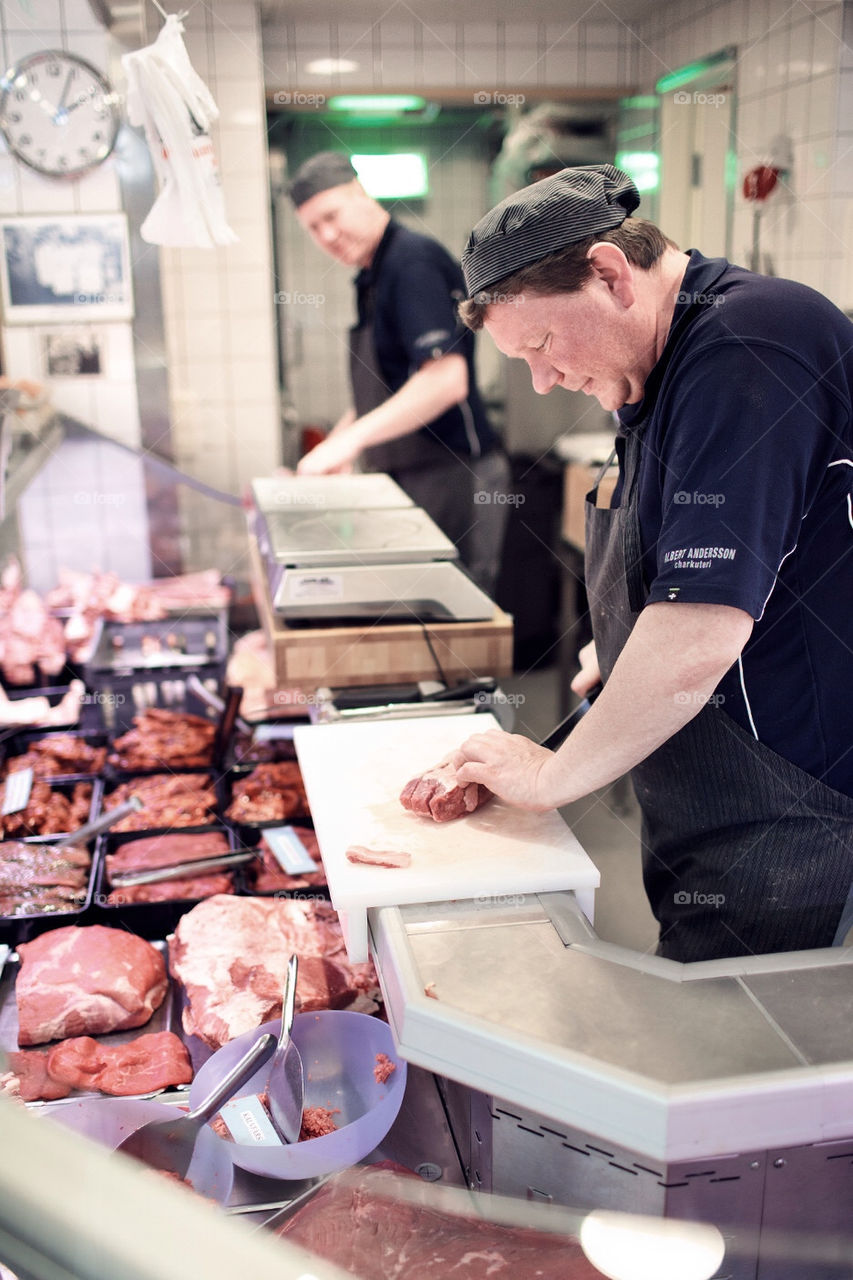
(545, 217)
(326, 169)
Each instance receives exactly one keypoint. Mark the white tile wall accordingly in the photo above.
(789, 80)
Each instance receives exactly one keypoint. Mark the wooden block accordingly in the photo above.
(577, 482)
(308, 657)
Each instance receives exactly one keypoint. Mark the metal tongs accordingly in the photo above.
(177, 870)
(91, 829)
(169, 1144)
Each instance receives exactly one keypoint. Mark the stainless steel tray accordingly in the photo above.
(166, 1018)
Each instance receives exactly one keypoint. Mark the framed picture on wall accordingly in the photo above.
(56, 269)
(74, 351)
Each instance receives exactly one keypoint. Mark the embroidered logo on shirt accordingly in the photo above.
(698, 557)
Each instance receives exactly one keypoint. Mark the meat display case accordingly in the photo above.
(583, 1073)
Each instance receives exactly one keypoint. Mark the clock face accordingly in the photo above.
(58, 114)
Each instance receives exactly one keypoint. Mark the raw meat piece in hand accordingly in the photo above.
(437, 794)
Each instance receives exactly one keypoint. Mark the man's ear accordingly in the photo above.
(614, 270)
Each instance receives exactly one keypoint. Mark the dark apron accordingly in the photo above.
(433, 476)
(370, 390)
(743, 852)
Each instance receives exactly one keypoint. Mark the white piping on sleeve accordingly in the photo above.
(775, 580)
(746, 699)
(841, 462)
(850, 510)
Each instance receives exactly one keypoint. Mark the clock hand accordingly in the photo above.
(61, 102)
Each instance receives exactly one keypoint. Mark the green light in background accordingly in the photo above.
(643, 167)
(399, 176)
(693, 70)
(380, 103)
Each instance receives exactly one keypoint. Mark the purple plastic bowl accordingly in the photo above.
(110, 1120)
(338, 1051)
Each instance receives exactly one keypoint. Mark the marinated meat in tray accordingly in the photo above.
(231, 955)
(86, 981)
(270, 793)
(60, 754)
(168, 800)
(160, 737)
(270, 878)
(49, 811)
(40, 878)
(364, 1222)
(151, 853)
(271, 751)
(155, 1061)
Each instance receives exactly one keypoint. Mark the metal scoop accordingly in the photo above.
(169, 1144)
(285, 1082)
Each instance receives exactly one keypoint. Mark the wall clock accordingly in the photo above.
(58, 114)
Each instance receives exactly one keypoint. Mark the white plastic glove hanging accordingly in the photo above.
(173, 104)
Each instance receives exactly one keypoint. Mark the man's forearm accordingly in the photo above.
(434, 389)
(673, 660)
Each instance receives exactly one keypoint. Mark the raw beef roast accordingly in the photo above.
(231, 954)
(364, 1222)
(79, 981)
(436, 794)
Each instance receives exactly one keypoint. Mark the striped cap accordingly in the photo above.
(545, 217)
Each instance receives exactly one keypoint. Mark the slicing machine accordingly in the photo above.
(355, 548)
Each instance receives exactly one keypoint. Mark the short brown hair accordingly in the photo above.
(568, 269)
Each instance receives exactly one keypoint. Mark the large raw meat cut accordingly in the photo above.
(86, 981)
(231, 955)
(359, 1221)
(436, 794)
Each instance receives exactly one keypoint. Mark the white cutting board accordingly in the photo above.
(354, 774)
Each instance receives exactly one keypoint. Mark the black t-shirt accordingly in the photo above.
(745, 492)
(418, 288)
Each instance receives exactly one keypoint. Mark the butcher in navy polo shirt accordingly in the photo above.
(416, 411)
(720, 576)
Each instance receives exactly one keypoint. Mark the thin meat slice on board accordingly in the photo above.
(362, 856)
(437, 794)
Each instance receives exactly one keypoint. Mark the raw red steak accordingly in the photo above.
(152, 852)
(231, 955)
(35, 1082)
(363, 1221)
(143, 1065)
(436, 794)
(79, 981)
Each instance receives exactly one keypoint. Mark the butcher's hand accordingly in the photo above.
(513, 767)
(332, 456)
(590, 673)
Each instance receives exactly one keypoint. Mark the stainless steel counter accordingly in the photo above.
(672, 1061)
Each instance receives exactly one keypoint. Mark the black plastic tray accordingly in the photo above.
(124, 696)
(66, 788)
(248, 832)
(113, 780)
(312, 891)
(149, 919)
(22, 928)
(18, 743)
